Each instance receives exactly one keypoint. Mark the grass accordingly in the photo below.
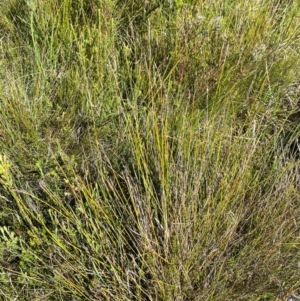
(146, 150)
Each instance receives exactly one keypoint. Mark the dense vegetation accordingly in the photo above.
(149, 150)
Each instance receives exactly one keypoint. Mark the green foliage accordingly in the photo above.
(146, 150)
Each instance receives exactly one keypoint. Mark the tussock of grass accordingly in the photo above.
(148, 150)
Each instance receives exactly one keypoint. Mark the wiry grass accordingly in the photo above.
(146, 150)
